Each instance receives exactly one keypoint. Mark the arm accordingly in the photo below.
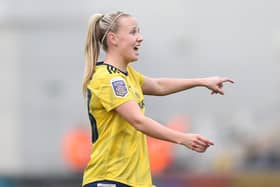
(165, 86)
(132, 113)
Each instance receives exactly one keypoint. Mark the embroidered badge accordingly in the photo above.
(119, 87)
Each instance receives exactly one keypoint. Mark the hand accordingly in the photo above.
(196, 142)
(216, 84)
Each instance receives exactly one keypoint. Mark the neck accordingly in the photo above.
(116, 61)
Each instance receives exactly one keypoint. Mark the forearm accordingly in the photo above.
(132, 113)
(154, 129)
(170, 85)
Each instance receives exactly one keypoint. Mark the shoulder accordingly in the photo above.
(132, 70)
(104, 71)
(135, 74)
(105, 74)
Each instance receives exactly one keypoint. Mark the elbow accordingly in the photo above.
(161, 92)
(160, 89)
(138, 122)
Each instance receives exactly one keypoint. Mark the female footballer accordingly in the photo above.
(115, 97)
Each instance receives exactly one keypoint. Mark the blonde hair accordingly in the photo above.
(98, 27)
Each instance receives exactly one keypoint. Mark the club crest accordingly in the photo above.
(119, 87)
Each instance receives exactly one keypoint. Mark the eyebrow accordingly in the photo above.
(135, 27)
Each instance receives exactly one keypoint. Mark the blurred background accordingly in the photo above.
(44, 127)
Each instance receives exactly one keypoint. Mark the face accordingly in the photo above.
(128, 38)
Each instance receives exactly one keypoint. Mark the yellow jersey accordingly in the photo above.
(119, 152)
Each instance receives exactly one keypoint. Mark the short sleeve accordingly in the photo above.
(112, 91)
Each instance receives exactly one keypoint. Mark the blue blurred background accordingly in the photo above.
(41, 69)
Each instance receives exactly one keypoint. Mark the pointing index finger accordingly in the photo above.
(228, 80)
(206, 141)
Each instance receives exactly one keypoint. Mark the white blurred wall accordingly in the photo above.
(10, 130)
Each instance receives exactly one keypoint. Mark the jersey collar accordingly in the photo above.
(112, 67)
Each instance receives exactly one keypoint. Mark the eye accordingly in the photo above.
(134, 31)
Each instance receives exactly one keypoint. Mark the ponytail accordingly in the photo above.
(92, 49)
(98, 27)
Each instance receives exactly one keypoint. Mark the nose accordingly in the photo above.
(140, 38)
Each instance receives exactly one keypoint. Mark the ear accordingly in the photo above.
(112, 37)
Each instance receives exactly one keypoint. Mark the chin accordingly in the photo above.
(133, 59)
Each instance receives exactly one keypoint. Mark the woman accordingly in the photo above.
(116, 105)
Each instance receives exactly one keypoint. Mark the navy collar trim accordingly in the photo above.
(111, 67)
